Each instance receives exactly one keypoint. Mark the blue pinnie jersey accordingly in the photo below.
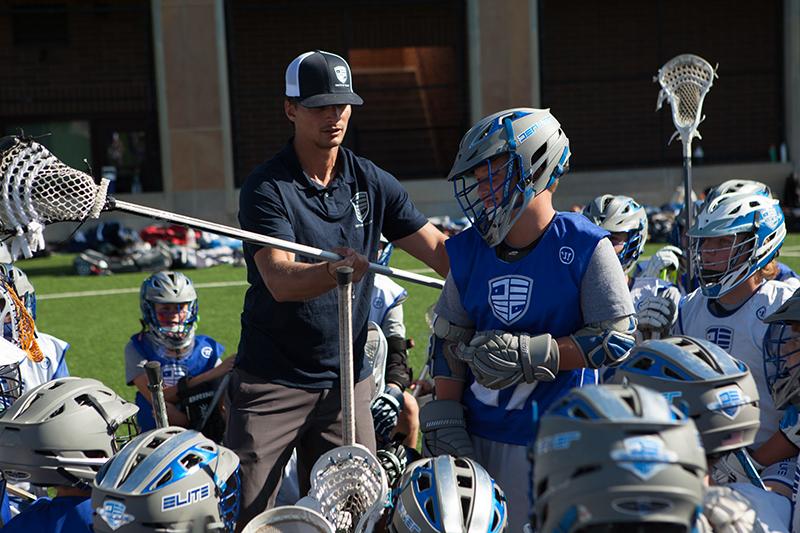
(203, 357)
(62, 514)
(537, 294)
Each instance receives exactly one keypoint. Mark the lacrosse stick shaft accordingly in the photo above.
(688, 205)
(272, 242)
(155, 385)
(344, 280)
(20, 493)
(423, 374)
(223, 385)
(749, 469)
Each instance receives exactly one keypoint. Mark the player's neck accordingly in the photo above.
(533, 222)
(64, 491)
(317, 162)
(741, 292)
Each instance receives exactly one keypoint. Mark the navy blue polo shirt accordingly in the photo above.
(297, 343)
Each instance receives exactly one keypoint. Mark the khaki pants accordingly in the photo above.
(266, 421)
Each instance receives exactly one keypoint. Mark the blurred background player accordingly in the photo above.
(10, 389)
(189, 363)
(168, 479)
(614, 457)
(59, 435)
(535, 301)
(718, 393)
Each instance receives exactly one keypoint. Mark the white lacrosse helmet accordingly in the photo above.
(169, 288)
(537, 153)
(739, 187)
(289, 519)
(782, 353)
(621, 214)
(757, 223)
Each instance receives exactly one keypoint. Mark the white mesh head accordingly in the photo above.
(349, 488)
(289, 519)
(685, 80)
(36, 188)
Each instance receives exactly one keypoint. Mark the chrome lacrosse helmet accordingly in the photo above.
(704, 383)
(11, 384)
(621, 214)
(782, 353)
(22, 285)
(446, 494)
(756, 225)
(503, 161)
(739, 187)
(610, 455)
(169, 288)
(168, 479)
(63, 431)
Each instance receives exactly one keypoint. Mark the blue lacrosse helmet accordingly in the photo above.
(621, 215)
(756, 224)
(504, 161)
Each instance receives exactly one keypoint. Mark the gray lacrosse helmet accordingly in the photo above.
(289, 519)
(446, 494)
(609, 455)
(63, 431)
(782, 353)
(704, 383)
(168, 479)
(22, 285)
(169, 288)
(621, 214)
(538, 154)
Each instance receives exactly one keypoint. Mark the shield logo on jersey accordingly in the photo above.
(113, 513)
(509, 297)
(644, 456)
(360, 202)
(729, 402)
(721, 336)
(341, 73)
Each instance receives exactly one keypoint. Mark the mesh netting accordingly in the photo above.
(350, 487)
(685, 80)
(37, 187)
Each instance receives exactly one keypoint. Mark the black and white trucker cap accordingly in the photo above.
(319, 79)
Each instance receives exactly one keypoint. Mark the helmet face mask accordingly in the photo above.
(503, 162)
(11, 386)
(782, 362)
(724, 261)
(163, 297)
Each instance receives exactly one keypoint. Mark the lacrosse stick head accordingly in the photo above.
(685, 80)
(348, 487)
(289, 519)
(37, 189)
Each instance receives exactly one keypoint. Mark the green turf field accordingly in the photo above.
(98, 325)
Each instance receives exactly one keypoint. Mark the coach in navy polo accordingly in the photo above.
(315, 192)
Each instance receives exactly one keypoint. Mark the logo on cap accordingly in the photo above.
(341, 73)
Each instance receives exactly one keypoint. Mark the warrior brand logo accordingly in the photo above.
(341, 73)
(729, 402)
(175, 501)
(721, 336)
(113, 513)
(644, 456)
(566, 255)
(509, 297)
(559, 441)
(360, 203)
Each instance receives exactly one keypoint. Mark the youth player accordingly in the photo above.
(535, 301)
(169, 306)
(58, 435)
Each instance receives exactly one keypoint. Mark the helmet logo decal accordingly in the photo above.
(566, 255)
(113, 513)
(770, 217)
(644, 456)
(729, 402)
(559, 441)
(407, 520)
(721, 336)
(176, 501)
(509, 297)
(527, 134)
(360, 202)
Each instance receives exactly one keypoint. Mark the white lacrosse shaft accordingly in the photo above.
(272, 242)
(155, 384)
(344, 280)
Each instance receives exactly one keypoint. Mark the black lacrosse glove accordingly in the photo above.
(195, 403)
(394, 457)
(385, 410)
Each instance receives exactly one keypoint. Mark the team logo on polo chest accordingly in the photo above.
(509, 297)
(360, 202)
(721, 336)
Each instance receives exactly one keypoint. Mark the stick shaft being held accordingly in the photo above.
(344, 280)
(155, 385)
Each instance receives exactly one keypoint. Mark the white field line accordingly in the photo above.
(131, 290)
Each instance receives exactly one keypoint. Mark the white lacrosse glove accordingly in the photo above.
(659, 312)
(385, 409)
(728, 469)
(727, 511)
(666, 259)
(444, 431)
(499, 359)
(790, 425)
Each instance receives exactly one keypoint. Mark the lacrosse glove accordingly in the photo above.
(385, 409)
(444, 431)
(658, 313)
